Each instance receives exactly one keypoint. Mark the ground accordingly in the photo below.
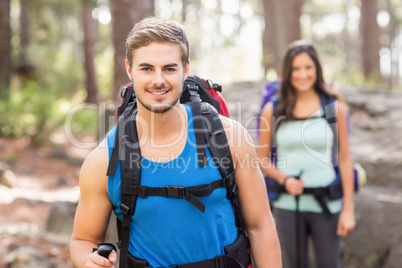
(43, 174)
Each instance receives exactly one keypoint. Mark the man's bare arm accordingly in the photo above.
(93, 211)
(253, 198)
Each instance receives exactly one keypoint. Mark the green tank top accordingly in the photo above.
(305, 147)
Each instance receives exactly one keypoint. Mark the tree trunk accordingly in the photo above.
(393, 47)
(270, 57)
(282, 26)
(184, 10)
(291, 16)
(346, 40)
(25, 70)
(90, 26)
(5, 48)
(24, 31)
(370, 46)
(125, 14)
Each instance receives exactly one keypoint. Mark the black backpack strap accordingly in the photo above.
(199, 126)
(122, 151)
(221, 261)
(130, 165)
(190, 193)
(219, 148)
(127, 94)
(123, 117)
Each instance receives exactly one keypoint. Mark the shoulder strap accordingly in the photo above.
(218, 145)
(273, 138)
(331, 115)
(219, 148)
(130, 166)
(126, 149)
(123, 112)
(199, 126)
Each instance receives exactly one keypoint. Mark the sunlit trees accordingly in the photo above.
(90, 29)
(370, 44)
(124, 15)
(282, 26)
(5, 48)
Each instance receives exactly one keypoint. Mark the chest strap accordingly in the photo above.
(222, 261)
(236, 256)
(190, 193)
(319, 193)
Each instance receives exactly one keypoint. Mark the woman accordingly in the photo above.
(304, 142)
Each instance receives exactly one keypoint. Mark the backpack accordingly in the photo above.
(205, 110)
(332, 191)
(269, 94)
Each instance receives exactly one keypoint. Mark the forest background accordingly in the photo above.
(58, 54)
(62, 69)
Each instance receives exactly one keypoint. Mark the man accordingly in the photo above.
(170, 231)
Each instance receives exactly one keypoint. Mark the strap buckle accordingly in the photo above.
(175, 191)
(142, 191)
(193, 89)
(220, 261)
(334, 190)
(228, 180)
(126, 140)
(124, 208)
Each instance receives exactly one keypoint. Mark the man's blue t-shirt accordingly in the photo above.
(167, 230)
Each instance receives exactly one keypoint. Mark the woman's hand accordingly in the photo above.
(294, 186)
(346, 222)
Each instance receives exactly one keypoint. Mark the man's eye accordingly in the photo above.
(147, 69)
(170, 69)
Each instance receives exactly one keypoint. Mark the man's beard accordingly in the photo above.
(160, 108)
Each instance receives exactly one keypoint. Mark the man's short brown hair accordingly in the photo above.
(153, 29)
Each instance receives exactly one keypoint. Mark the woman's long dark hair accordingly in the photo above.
(287, 100)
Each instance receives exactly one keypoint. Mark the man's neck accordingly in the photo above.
(161, 126)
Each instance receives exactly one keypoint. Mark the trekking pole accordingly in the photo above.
(104, 249)
(298, 233)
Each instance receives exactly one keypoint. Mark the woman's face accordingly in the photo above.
(304, 73)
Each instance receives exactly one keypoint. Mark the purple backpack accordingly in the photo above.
(270, 93)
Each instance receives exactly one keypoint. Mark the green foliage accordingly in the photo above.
(83, 121)
(37, 111)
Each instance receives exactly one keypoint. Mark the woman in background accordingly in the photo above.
(304, 142)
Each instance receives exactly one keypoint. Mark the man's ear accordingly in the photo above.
(128, 70)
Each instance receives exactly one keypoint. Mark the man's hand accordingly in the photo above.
(95, 260)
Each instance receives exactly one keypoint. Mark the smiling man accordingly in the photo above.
(166, 232)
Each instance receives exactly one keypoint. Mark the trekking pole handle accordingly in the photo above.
(298, 177)
(104, 249)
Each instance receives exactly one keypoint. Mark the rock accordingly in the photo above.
(394, 259)
(27, 257)
(376, 241)
(7, 177)
(60, 222)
